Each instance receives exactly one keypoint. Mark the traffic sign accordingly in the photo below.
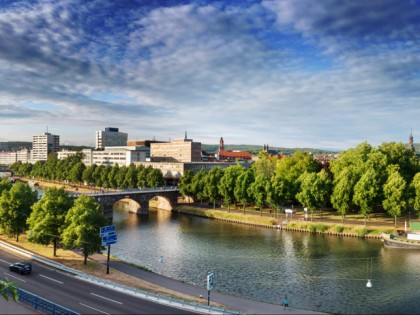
(210, 281)
(107, 230)
(109, 239)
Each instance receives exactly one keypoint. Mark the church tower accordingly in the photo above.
(221, 145)
(411, 141)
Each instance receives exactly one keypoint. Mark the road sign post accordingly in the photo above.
(210, 284)
(109, 236)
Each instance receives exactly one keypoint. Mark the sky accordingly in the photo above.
(322, 74)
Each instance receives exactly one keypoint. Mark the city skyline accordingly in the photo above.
(322, 74)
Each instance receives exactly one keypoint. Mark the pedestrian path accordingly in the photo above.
(233, 302)
(12, 307)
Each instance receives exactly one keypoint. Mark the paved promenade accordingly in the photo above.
(12, 307)
(236, 303)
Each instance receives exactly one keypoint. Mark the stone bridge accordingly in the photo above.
(167, 198)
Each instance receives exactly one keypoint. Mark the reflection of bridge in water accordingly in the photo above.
(167, 198)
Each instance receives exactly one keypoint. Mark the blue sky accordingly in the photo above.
(322, 74)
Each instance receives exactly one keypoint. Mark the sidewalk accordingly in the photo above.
(12, 307)
(235, 303)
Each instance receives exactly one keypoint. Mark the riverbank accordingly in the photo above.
(350, 229)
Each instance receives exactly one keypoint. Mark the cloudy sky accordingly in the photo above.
(322, 74)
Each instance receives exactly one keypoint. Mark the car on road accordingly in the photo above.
(21, 267)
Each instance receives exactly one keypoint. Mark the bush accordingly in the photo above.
(320, 227)
(362, 231)
(339, 229)
(312, 228)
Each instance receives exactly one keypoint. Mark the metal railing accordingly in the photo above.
(188, 305)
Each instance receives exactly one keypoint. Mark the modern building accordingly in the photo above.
(182, 150)
(111, 137)
(43, 145)
(123, 156)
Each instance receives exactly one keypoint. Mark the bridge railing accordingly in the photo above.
(131, 191)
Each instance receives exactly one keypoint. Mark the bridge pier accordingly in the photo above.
(108, 211)
(144, 207)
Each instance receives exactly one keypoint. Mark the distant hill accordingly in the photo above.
(254, 149)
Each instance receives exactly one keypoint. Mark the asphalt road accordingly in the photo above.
(77, 295)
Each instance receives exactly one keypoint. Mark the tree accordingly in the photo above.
(227, 183)
(185, 182)
(87, 176)
(7, 286)
(15, 208)
(76, 172)
(211, 187)
(367, 192)
(342, 195)
(83, 222)
(265, 165)
(415, 192)
(48, 216)
(112, 176)
(197, 185)
(155, 178)
(130, 180)
(5, 184)
(395, 194)
(258, 190)
(315, 190)
(245, 179)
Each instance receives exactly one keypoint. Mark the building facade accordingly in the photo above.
(43, 145)
(182, 150)
(111, 137)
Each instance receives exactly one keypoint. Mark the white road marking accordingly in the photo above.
(94, 308)
(105, 298)
(51, 279)
(8, 274)
(9, 263)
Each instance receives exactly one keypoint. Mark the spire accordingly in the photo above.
(221, 145)
(411, 141)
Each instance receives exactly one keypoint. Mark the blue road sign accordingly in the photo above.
(106, 230)
(109, 239)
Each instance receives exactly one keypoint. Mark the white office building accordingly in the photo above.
(44, 145)
(111, 137)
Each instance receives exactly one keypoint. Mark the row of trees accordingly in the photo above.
(361, 180)
(55, 219)
(72, 169)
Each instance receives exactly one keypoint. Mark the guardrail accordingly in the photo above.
(187, 305)
(42, 304)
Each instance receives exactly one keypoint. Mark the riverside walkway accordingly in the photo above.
(243, 305)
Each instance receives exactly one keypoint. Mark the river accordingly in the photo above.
(317, 272)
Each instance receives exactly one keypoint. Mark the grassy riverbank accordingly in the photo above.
(318, 226)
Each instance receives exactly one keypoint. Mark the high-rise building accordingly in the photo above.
(44, 145)
(111, 137)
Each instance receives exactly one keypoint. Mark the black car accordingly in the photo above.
(21, 267)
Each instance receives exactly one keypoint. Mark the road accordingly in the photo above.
(78, 295)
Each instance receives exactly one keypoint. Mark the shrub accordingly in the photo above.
(320, 227)
(339, 229)
(312, 228)
(362, 231)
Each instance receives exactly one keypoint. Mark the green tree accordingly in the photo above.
(112, 176)
(130, 180)
(265, 165)
(245, 180)
(258, 190)
(197, 185)
(76, 172)
(415, 193)
(185, 182)
(342, 195)
(121, 177)
(227, 183)
(211, 187)
(5, 184)
(48, 215)
(155, 178)
(367, 192)
(83, 222)
(15, 208)
(87, 176)
(315, 190)
(395, 194)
